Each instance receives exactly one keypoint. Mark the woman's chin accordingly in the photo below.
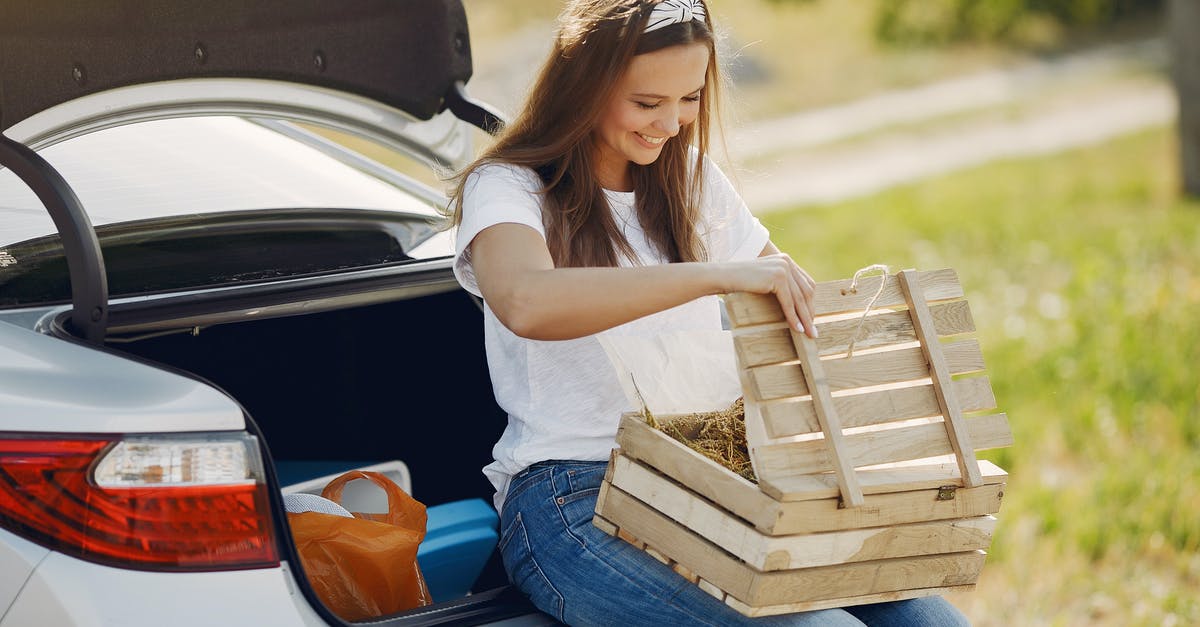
(646, 157)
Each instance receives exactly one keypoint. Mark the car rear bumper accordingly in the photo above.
(66, 591)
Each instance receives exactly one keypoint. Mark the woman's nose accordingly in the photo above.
(669, 123)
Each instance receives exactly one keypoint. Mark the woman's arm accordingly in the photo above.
(538, 301)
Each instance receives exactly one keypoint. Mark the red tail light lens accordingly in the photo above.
(188, 502)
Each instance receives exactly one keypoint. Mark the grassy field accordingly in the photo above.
(1083, 271)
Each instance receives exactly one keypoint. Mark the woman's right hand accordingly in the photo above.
(776, 273)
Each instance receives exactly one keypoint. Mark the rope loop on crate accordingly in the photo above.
(853, 289)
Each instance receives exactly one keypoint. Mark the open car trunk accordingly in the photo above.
(402, 380)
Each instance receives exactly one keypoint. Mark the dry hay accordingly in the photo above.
(717, 435)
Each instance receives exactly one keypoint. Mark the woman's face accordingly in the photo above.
(659, 93)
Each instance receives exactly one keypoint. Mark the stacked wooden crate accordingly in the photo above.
(868, 485)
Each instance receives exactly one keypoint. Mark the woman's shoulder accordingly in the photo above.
(500, 173)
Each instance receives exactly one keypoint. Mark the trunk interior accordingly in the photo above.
(403, 380)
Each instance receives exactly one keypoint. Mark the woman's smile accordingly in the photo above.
(654, 142)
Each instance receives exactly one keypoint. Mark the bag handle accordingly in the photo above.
(403, 509)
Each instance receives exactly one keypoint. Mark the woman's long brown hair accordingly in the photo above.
(552, 135)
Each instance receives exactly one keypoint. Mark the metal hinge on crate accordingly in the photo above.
(946, 492)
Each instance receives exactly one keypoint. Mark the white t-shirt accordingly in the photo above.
(563, 398)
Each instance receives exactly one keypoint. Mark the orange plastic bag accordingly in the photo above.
(366, 566)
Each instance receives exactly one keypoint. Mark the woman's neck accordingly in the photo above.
(613, 174)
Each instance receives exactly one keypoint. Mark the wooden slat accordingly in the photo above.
(840, 457)
(765, 346)
(604, 525)
(755, 588)
(907, 364)
(879, 480)
(756, 429)
(940, 373)
(759, 346)
(887, 508)
(787, 608)
(767, 553)
(880, 447)
(744, 499)
(811, 606)
(713, 590)
(747, 309)
(797, 417)
(685, 573)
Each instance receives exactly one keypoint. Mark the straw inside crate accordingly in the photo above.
(718, 435)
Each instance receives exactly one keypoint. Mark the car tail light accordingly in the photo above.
(177, 502)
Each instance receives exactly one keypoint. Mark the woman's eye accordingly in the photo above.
(695, 98)
(645, 105)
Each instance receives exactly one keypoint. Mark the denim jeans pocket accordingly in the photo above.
(577, 510)
(586, 477)
(525, 572)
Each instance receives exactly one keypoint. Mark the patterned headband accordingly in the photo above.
(670, 12)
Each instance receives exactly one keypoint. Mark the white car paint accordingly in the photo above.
(66, 591)
(19, 557)
(192, 166)
(51, 385)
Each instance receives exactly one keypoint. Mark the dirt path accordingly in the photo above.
(1041, 107)
(830, 174)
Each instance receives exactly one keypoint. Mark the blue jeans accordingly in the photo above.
(581, 576)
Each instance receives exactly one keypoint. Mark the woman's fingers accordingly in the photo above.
(794, 289)
(802, 304)
(777, 274)
(807, 289)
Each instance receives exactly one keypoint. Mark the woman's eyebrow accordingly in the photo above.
(662, 97)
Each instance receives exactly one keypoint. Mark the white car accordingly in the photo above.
(208, 299)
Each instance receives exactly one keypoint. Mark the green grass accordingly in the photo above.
(1083, 270)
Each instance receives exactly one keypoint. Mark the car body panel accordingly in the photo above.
(408, 55)
(48, 385)
(441, 139)
(67, 591)
(19, 557)
(193, 166)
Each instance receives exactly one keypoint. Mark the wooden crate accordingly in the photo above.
(868, 485)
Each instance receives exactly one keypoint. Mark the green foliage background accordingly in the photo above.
(946, 21)
(1083, 273)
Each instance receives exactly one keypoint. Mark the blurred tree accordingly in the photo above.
(925, 22)
(1183, 28)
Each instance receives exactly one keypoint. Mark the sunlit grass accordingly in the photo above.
(1083, 271)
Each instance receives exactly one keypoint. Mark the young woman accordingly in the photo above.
(598, 212)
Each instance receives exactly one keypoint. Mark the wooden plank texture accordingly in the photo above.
(770, 344)
(768, 553)
(803, 514)
(879, 480)
(898, 366)
(755, 588)
(956, 429)
(810, 606)
(796, 417)
(880, 447)
(886, 508)
(840, 457)
(747, 309)
(640, 441)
